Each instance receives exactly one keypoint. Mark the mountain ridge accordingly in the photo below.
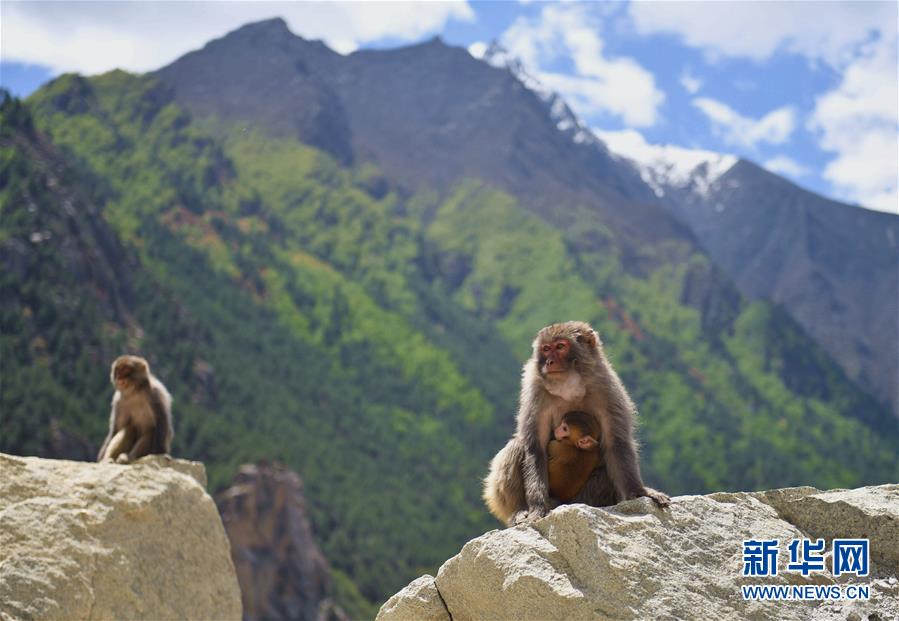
(422, 122)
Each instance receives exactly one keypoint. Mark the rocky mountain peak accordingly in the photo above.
(282, 572)
(272, 26)
(427, 114)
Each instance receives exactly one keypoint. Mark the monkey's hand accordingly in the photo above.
(123, 458)
(660, 498)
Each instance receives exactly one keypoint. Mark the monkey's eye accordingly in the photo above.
(561, 345)
(546, 348)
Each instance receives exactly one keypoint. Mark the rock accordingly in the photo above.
(81, 540)
(282, 572)
(635, 561)
(419, 601)
(867, 512)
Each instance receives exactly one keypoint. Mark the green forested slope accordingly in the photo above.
(369, 337)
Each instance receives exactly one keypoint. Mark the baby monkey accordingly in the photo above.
(573, 454)
(141, 419)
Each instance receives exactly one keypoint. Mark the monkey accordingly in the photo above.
(140, 422)
(572, 455)
(567, 371)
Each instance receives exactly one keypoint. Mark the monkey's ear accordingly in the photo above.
(587, 443)
(588, 338)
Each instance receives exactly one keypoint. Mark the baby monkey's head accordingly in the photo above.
(578, 429)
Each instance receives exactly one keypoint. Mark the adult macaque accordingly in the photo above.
(568, 371)
(572, 454)
(141, 419)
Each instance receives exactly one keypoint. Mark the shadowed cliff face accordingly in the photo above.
(282, 572)
(834, 267)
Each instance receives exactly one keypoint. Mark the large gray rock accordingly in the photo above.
(635, 561)
(867, 512)
(105, 541)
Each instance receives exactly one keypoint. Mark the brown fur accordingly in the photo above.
(569, 466)
(516, 488)
(140, 422)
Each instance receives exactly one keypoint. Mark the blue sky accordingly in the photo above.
(808, 89)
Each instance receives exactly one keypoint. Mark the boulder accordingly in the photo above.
(107, 541)
(635, 561)
(420, 601)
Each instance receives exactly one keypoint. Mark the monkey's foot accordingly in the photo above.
(660, 498)
(123, 459)
(522, 517)
(526, 516)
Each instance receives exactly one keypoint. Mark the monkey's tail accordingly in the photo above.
(503, 486)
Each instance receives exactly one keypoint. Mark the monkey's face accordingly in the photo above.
(554, 356)
(562, 431)
(128, 372)
(576, 435)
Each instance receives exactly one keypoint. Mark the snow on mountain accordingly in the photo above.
(566, 120)
(662, 167)
(667, 167)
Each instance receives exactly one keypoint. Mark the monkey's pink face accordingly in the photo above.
(125, 376)
(562, 431)
(554, 356)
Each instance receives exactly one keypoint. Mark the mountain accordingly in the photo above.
(339, 262)
(833, 266)
(427, 115)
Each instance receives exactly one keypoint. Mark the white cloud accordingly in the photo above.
(690, 82)
(859, 121)
(734, 128)
(828, 31)
(785, 165)
(598, 84)
(92, 37)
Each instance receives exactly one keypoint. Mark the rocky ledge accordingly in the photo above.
(105, 541)
(634, 561)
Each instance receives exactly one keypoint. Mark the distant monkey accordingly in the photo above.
(141, 419)
(568, 371)
(573, 454)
